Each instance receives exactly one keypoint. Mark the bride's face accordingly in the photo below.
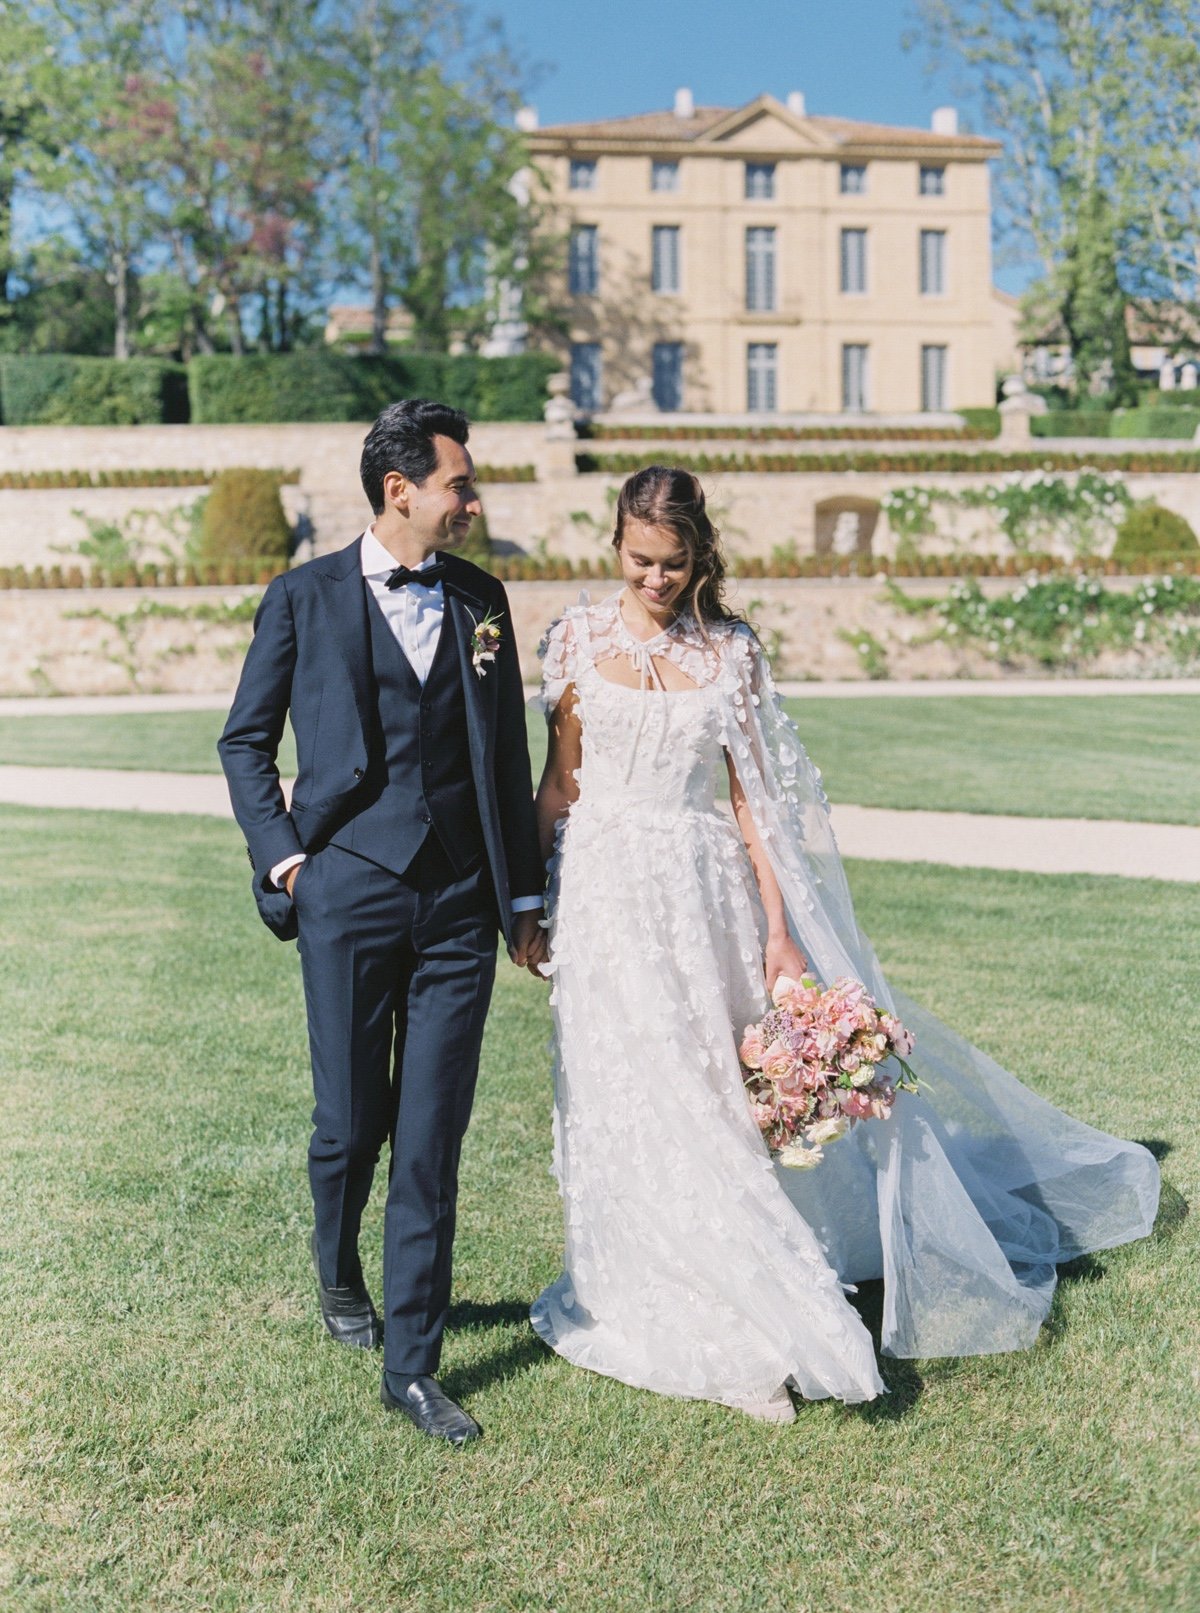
(657, 567)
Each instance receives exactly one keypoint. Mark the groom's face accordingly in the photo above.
(440, 510)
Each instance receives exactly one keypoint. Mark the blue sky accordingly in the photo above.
(606, 58)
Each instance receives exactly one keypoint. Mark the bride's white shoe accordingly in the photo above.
(775, 1408)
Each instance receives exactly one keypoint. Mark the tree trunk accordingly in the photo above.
(283, 317)
(121, 303)
(236, 343)
(6, 196)
(379, 307)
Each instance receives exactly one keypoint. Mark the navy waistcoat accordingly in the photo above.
(418, 776)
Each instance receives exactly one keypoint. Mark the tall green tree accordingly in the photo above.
(106, 114)
(1060, 81)
(27, 130)
(419, 115)
(236, 168)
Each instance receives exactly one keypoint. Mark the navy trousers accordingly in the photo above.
(398, 974)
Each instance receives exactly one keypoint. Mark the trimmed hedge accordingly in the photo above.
(986, 421)
(1164, 421)
(327, 386)
(1151, 532)
(243, 520)
(62, 389)
(1155, 423)
(550, 568)
(612, 431)
(918, 461)
(1070, 423)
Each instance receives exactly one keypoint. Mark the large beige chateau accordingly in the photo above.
(760, 260)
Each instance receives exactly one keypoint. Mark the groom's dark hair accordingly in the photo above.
(402, 439)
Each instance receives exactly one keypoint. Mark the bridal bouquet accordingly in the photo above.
(818, 1062)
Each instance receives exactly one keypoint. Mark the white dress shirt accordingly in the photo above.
(414, 614)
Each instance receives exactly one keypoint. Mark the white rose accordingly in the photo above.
(828, 1131)
(798, 1158)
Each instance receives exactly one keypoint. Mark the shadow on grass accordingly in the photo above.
(513, 1356)
(904, 1382)
(1173, 1208)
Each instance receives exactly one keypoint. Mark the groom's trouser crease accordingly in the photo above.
(393, 968)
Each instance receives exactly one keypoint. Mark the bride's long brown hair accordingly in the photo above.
(663, 496)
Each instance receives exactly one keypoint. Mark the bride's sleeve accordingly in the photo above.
(560, 654)
(791, 813)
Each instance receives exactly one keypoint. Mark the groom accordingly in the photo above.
(409, 841)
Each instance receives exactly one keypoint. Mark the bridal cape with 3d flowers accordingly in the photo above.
(694, 1265)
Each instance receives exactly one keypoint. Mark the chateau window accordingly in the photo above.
(762, 369)
(760, 181)
(582, 173)
(854, 377)
(664, 176)
(854, 261)
(583, 263)
(933, 378)
(586, 376)
(760, 269)
(854, 179)
(664, 258)
(668, 376)
(932, 181)
(933, 263)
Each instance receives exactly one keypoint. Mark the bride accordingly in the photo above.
(694, 1265)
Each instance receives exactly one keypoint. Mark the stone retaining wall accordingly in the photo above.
(563, 512)
(115, 641)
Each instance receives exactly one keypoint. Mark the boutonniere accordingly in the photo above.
(485, 641)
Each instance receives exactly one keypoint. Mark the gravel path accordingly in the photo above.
(961, 839)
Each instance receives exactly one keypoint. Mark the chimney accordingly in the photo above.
(685, 104)
(527, 119)
(795, 103)
(945, 120)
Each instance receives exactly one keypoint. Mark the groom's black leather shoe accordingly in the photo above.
(428, 1407)
(347, 1312)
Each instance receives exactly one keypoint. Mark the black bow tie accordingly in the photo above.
(426, 577)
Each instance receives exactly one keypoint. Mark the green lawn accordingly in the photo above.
(178, 1434)
(1119, 756)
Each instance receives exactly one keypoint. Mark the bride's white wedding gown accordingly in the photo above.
(694, 1266)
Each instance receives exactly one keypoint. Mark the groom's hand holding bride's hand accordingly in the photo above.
(783, 957)
(529, 945)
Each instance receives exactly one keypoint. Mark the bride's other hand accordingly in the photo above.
(783, 957)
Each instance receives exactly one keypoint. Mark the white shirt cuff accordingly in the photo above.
(280, 869)
(527, 904)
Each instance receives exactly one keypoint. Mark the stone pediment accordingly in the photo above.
(766, 125)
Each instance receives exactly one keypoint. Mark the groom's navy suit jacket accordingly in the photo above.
(312, 656)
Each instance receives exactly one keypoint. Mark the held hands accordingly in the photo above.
(783, 957)
(289, 879)
(529, 943)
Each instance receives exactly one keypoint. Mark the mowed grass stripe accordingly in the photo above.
(1118, 756)
(179, 1434)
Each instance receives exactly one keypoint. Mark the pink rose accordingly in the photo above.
(777, 1061)
(751, 1050)
(856, 1104)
